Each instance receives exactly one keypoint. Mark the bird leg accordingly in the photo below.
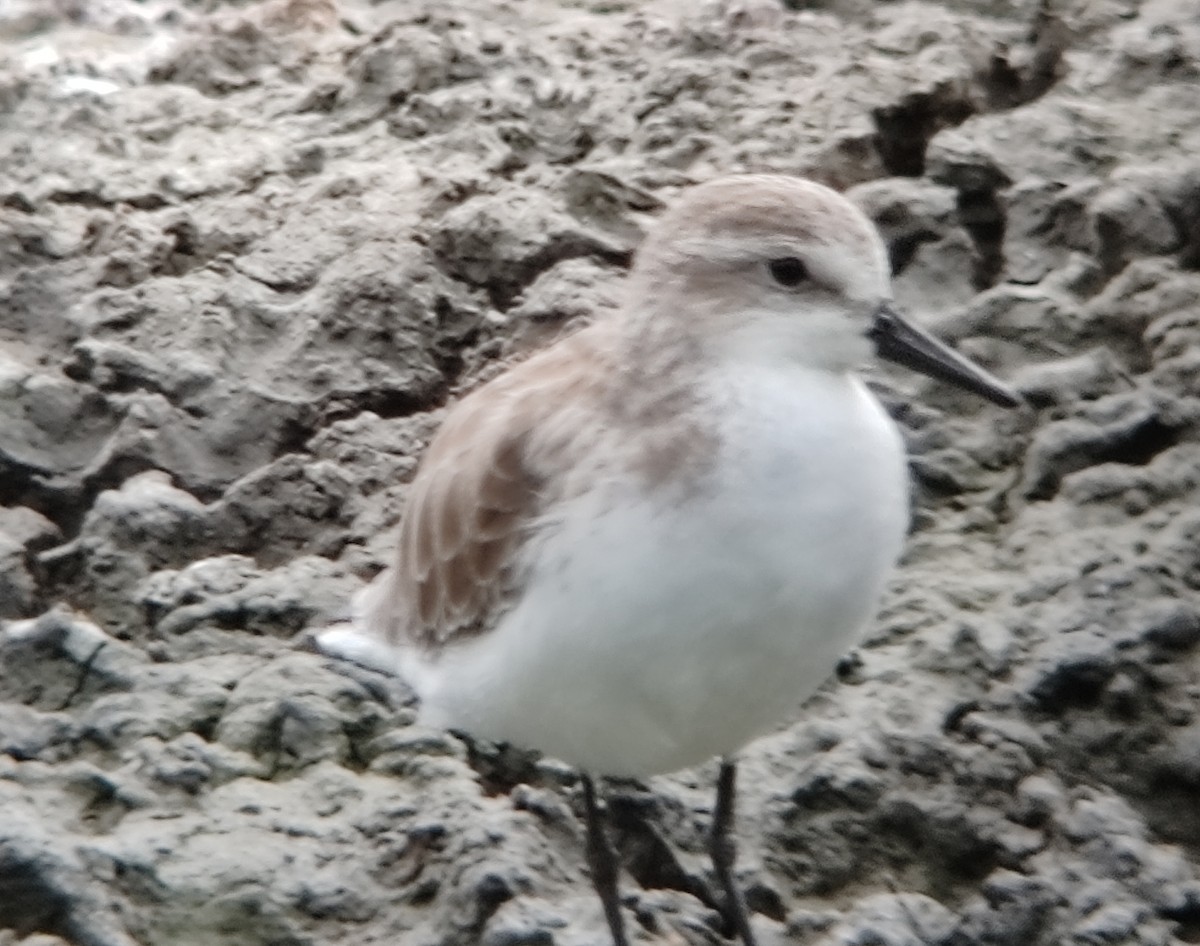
(602, 861)
(723, 850)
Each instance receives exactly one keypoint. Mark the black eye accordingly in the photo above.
(789, 271)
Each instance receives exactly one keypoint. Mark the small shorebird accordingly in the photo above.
(646, 545)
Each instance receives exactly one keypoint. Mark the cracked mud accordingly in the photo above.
(248, 253)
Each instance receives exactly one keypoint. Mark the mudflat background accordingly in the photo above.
(249, 253)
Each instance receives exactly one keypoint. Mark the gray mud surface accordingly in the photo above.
(249, 252)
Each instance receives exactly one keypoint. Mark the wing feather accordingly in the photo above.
(477, 490)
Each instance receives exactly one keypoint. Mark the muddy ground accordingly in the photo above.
(249, 252)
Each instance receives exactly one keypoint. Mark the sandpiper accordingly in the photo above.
(646, 545)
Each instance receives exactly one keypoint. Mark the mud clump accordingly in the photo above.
(249, 252)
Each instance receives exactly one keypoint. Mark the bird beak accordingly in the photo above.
(899, 341)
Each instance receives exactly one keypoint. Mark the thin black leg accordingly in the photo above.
(723, 849)
(603, 864)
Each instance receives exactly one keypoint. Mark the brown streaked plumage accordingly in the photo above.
(750, 206)
(497, 465)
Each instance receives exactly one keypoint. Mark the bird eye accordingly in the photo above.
(789, 271)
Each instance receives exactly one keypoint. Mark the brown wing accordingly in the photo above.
(479, 487)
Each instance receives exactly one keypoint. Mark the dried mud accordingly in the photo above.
(248, 252)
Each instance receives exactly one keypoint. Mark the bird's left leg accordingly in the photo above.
(602, 861)
(723, 849)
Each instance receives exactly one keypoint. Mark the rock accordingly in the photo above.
(49, 890)
(1126, 428)
(1088, 376)
(565, 292)
(897, 920)
(499, 242)
(1175, 628)
(266, 247)
(229, 592)
(18, 589)
(28, 528)
(146, 524)
(65, 656)
(1130, 223)
(293, 713)
(932, 255)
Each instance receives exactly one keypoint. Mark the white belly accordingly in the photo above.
(677, 632)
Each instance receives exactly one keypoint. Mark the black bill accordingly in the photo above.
(899, 341)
